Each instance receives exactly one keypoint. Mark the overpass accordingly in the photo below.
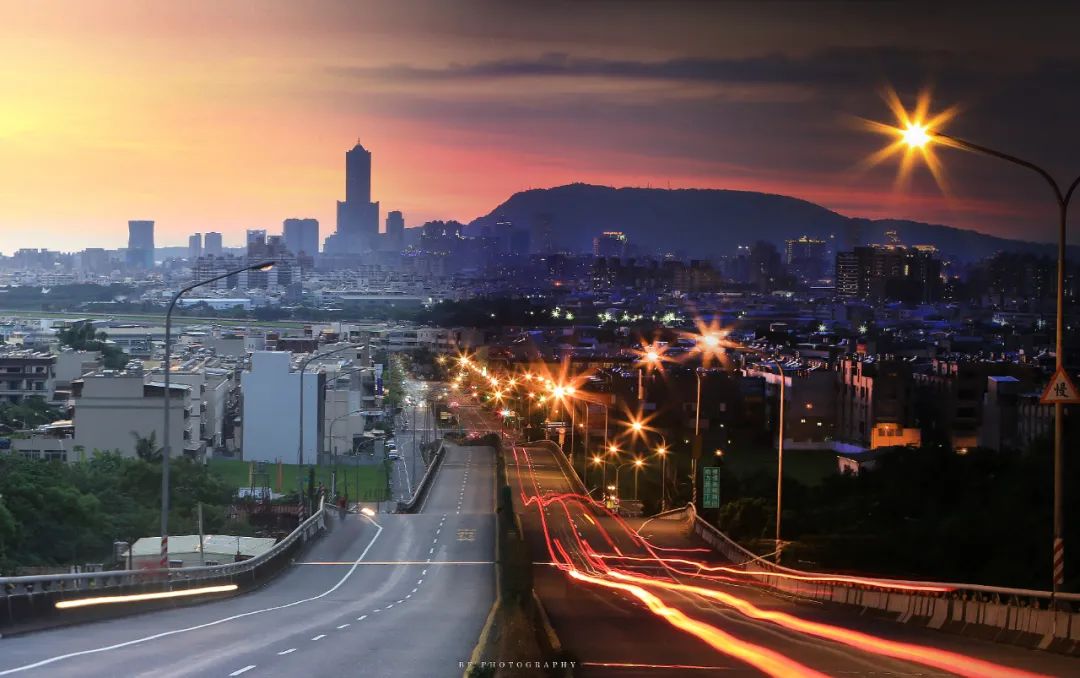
(382, 595)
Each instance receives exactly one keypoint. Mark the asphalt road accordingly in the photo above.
(612, 632)
(392, 595)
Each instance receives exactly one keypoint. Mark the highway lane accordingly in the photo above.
(603, 628)
(393, 595)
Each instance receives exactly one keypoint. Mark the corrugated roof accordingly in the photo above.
(216, 544)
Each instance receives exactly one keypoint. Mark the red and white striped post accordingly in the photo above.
(164, 551)
(1059, 561)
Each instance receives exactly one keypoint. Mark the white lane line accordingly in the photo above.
(166, 634)
(423, 573)
(419, 581)
(361, 617)
(431, 550)
(243, 670)
(389, 606)
(401, 601)
(319, 637)
(289, 651)
(414, 589)
(344, 626)
(378, 609)
(407, 596)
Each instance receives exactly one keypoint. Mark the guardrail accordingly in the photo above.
(1011, 615)
(29, 603)
(425, 483)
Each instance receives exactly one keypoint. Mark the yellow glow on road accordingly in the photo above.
(961, 665)
(761, 658)
(137, 597)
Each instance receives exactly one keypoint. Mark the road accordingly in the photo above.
(391, 595)
(604, 620)
(414, 427)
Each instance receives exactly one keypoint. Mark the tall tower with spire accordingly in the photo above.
(357, 215)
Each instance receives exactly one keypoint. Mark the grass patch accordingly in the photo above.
(365, 483)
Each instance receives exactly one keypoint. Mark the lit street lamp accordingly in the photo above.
(165, 451)
(637, 464)
(916, 134)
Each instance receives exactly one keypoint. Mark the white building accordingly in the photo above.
(271, 421)
(112, 409)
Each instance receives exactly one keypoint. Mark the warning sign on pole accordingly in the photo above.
(1060, 390)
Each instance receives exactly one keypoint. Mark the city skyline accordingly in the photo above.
(201, 133)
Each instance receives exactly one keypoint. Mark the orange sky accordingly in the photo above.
(205, 117)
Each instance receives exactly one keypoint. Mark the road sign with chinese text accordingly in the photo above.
(1060, 390)
(710, 491)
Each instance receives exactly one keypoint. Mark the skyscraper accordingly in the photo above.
(357, 216)
(140, 249)
(302, 236)
(256, 242)
(395, 229)
(212, 244)
(610, 244)
(194, 246)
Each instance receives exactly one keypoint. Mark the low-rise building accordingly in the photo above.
(26, 374)
(113, 410)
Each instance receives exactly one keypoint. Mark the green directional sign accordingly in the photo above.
(710, 491)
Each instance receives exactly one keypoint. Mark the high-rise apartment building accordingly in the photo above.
(212, 244)
(194, 246)
(302, 236)
(140, 249)
(395, 229)
(805, 258)
(889, 273)
(256, 242)
(610, 244)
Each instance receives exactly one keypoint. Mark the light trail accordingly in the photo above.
(843, 579)
(959, 664)
(138, 597)
(602, 575)
(765, 660)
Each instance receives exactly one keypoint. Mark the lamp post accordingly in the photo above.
(636, 463)
(662, 451)
(300, 441)
(165, 451)
(917, 135)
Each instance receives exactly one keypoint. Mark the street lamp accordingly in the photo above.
(917, 135)
(165, 451)
(662, 451)
(636, 463)
(300, 441)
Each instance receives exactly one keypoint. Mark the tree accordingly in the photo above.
(146, 447)
(82, 336)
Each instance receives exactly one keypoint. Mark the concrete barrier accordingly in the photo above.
(424, 485)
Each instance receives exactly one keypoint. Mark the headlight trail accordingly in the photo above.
(959, 664)
(137, 597)
(765, 660)
(830, 578)
(600, 574)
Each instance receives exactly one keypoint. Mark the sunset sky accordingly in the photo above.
(232, 115)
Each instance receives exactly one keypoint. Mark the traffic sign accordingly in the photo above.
(1060, 390)
(710, 491)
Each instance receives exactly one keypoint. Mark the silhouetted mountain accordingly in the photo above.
(707, 222)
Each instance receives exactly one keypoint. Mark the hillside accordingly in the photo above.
(708, 222)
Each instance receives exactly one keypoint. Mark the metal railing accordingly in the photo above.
(117, 579)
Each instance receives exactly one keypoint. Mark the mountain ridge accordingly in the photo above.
(704, 222)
